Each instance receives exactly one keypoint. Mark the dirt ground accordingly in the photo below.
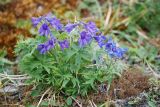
(132, 83)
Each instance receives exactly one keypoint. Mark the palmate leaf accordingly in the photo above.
(75, 82)
(35, 65)
(78, 62)
(90, 79)
(69, 54)
(64, 83)
(65, 76)
(87, 54)
(90, 82)
(47, 63)
(86, 57)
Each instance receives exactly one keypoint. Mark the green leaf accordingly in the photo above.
(6, 61)
(69, 54)
(90, 82)
(75, 47)
(75, 81)
(64, 83)
(152, 104)
(62, 36)
(86, 57)
(47, 69)
(69, 101)
(78, 62)
(35, 93)
(3, 53)
(44, 104)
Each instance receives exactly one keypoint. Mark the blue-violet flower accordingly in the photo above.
(113, 50)
(42, 48)
(84, 39)
(91, 27)
(69, 27)
(64, 44)
(100, 39)
(44, 30)
(55, 23)
(50, 43)
(36, 21)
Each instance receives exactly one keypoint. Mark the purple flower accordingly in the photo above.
(48, 16)
(84, 39)
(64, 44)
(69, 27)
(55, 23)
(42, 48)
(113, 50)
(91, 27)
(36, 21)
(120, 52)
(44, 30)
(110, 44)
(50, 43)
(100, 40)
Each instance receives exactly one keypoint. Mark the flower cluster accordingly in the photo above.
(47, 23)
(88, 32)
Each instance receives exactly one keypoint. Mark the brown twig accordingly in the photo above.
(92, 103)
(79, 105)
(43, 96)
(157, 76)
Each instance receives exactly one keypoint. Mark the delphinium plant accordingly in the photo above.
(73, 58)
